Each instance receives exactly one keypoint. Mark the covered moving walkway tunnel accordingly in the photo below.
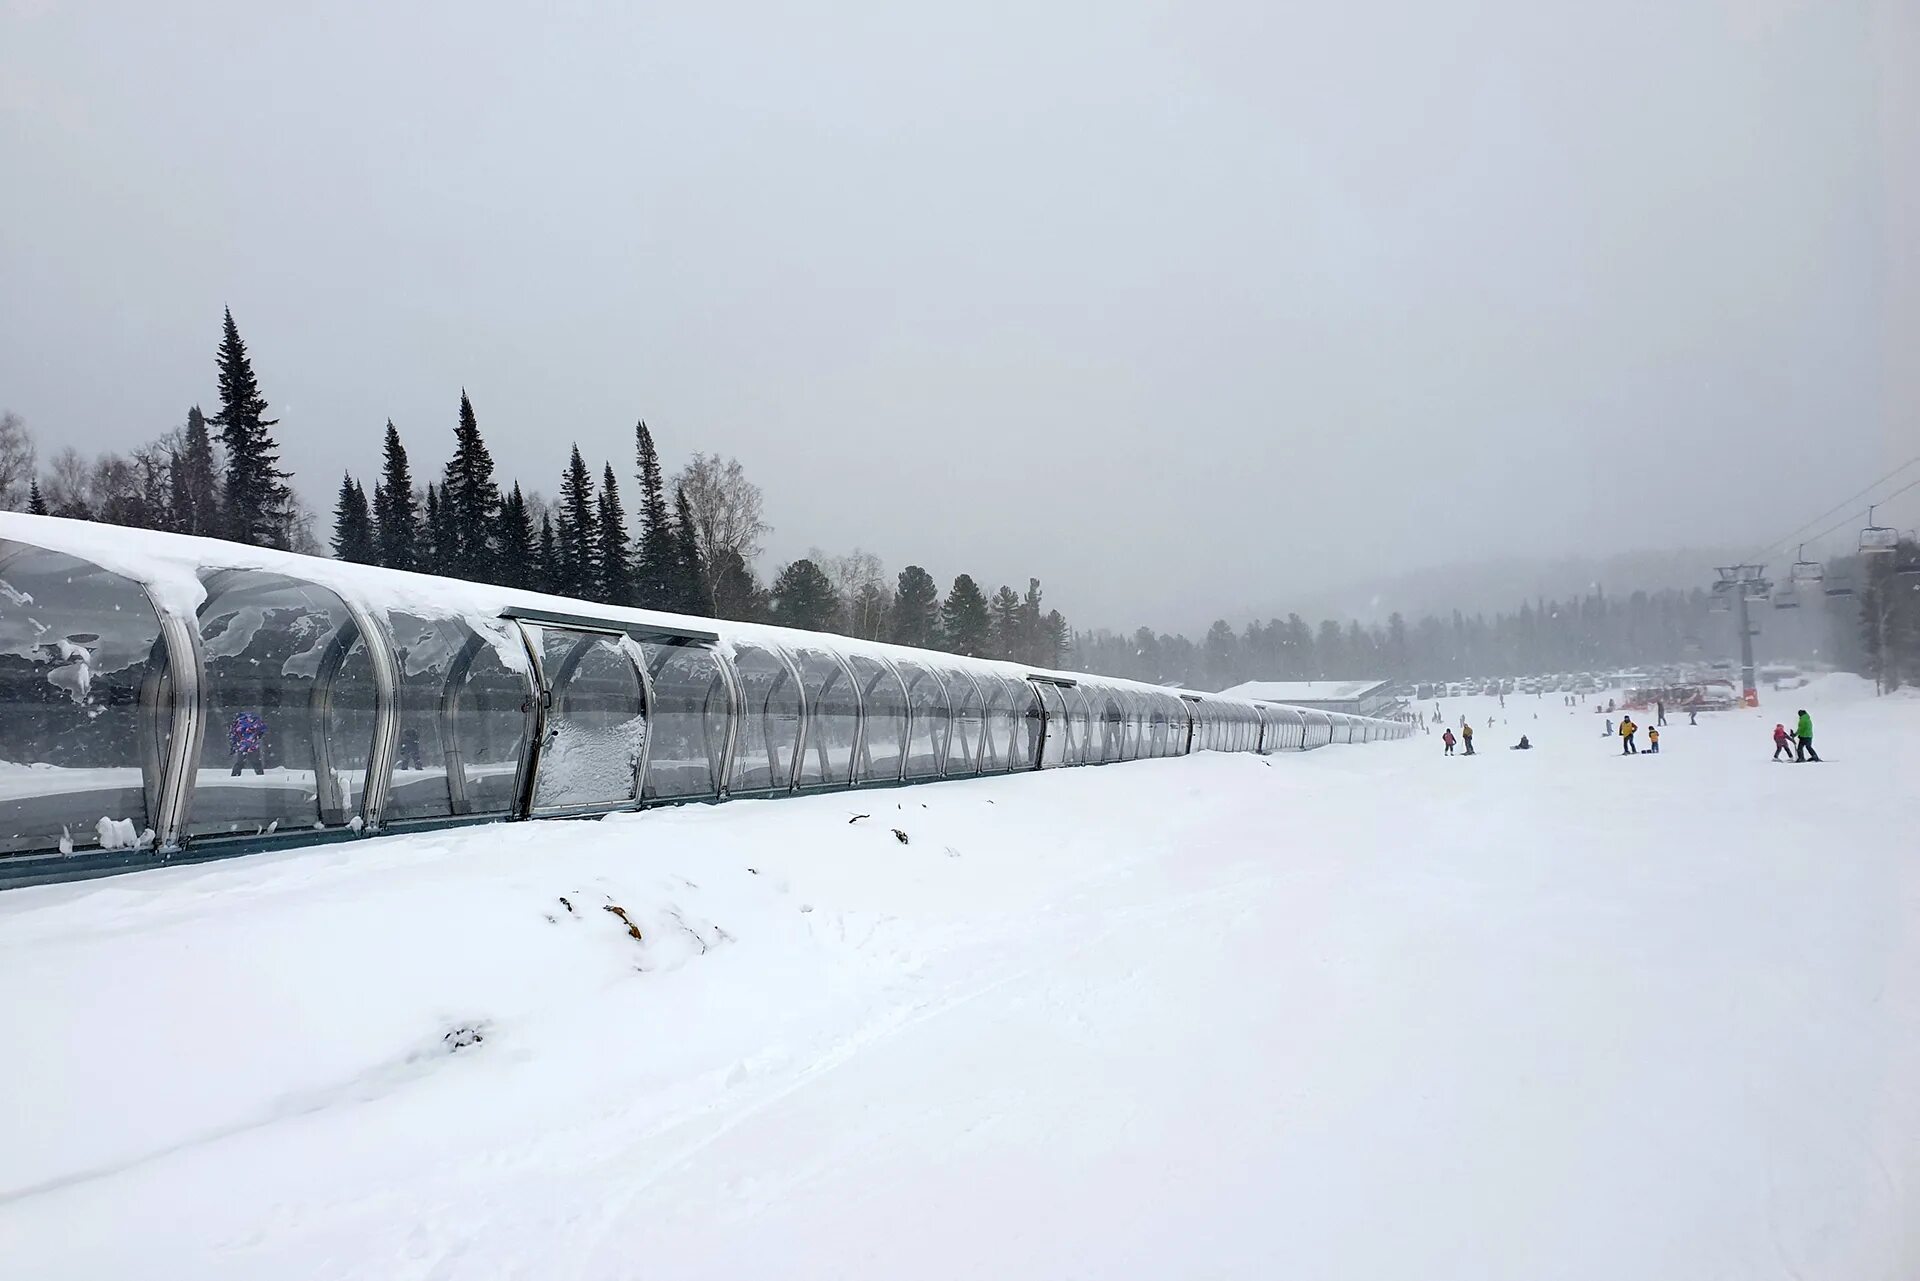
(207, 698)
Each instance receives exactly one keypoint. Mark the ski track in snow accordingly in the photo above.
(1359, 1012)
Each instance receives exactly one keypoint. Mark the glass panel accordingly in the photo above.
(833, 716)
(966, 718)
(1058, 732)
(927, 746)
(79, 761)
(1028, 711)
(997, 722)
(286, 667)
(687, 721)
(885, 702)
(352, 703)
(769, 721)
(596, 722)
(1114, 715)
(464, 710)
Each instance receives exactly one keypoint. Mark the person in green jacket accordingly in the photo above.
(1804, 733)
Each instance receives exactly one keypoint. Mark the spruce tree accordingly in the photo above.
(803, 597)
(656, 553)
(691, 594)
(193, 484)
(613, 568)
(353, 524)
(547, 577)
(519, 546)
(396, 518)
(470, 500)
(433, 531)
(258, 502)
(577, 533)
(36, 505)
(1005, 613)
(1029, 647)
(915, 617)
(965, 624)
(1056, 640)
(736, 592)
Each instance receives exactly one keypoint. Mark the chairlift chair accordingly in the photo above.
(1878, 540)
(1838, 586)
(1806, 573)
(1786, 598)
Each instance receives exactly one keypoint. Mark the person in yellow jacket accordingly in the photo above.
(1627, 746)
(1653, 739)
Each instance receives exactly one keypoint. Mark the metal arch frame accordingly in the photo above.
(386, 714)
(635, 644)
(737, 713)
(980, 743)
(1026, 696)
(1191, 732)
(800, 737)
(186, 692)
(861, 742)
(913, 717)
(986, 720)
(844, 671)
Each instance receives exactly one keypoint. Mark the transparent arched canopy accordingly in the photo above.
(84, 704)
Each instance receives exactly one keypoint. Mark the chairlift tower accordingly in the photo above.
(1740, 584)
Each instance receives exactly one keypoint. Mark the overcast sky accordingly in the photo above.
(1184, 308)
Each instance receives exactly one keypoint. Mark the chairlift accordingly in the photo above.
(1786, 598)
(1719, 602)
(1878, 540)
(1839, 585)
(1806, 573)
(1756, 589)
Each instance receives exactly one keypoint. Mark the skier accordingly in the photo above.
(247, 737)
(409, 755)
(1447, 738)
(1653, 739)
(1659, 713)
(1693, 716)
(1466, 738)
(1782, 745)
(1804, 732)
(1627, 746)
(1522, 746)
(1608, 731)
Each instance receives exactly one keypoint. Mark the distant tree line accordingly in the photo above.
(1590, 633)
(688, 547)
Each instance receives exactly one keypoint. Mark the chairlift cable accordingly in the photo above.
(1851, 516)
(1781, 542)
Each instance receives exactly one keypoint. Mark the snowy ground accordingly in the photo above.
(1363, 1012)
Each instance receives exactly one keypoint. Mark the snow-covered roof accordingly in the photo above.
(1303, 691)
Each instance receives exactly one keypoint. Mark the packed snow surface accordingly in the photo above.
(1357, 1013)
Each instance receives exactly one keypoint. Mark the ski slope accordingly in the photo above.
(1337, 1014)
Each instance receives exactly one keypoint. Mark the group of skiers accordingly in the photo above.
(1628, 730)
(1798, 746)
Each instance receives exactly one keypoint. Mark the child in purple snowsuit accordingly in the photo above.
(246, 738)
